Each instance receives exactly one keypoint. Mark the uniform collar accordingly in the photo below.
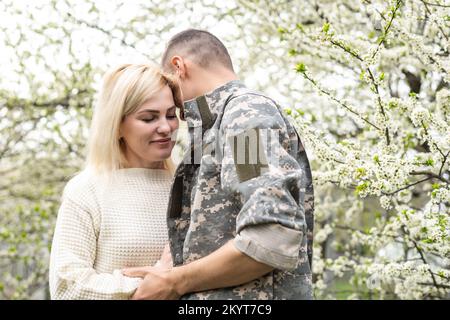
(204, 109)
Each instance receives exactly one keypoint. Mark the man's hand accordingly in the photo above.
(157, 285)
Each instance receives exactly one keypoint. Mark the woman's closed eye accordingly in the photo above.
(169, 116)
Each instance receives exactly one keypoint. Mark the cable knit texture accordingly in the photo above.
(105, 224)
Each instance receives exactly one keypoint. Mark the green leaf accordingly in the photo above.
(435, 186)
(442, 222)
(376, 159)
(282, 30)
(326, 27)
(44, 214)
(293, 52)
(392, 104)
(361, 187)
(300, 27)
(360, 172)
(300, 68)
(362, 74)
(405, 213)
(5, 234)
(380, 39)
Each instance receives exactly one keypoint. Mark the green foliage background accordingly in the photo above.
(354, 76)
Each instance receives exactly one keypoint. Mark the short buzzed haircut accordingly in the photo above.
(200, 46)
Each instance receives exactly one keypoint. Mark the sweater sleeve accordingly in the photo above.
(72, 275)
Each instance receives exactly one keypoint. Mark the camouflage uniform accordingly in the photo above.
(236, 183)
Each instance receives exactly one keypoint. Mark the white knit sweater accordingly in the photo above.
(104, 225)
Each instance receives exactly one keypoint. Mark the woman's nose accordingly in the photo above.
(164, 127)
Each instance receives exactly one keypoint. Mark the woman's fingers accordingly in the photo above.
(166, 258)
(136, 272)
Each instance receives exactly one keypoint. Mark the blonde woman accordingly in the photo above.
(113, 213)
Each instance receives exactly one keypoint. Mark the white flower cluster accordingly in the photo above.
(419, 116)
(323, 233)
(443, 101)
(385, 202)
(382, 180)
(407, 280)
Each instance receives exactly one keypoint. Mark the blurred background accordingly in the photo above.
(365, 82)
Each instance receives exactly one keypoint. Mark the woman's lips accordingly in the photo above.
(161, 141)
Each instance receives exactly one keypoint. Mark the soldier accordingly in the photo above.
(240, 213)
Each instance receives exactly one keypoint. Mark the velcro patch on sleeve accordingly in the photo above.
(249, 155)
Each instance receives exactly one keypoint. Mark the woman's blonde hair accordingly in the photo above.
(125, 89)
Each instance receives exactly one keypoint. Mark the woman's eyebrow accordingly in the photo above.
(148, 110)
(155, 111)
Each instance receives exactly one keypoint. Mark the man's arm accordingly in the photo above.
(225, 267)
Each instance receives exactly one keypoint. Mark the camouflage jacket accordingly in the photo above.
(246, 178)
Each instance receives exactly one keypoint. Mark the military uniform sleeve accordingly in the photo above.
(72, 274)
(258, 167)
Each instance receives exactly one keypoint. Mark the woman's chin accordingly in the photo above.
(164, 154)
(161, 153)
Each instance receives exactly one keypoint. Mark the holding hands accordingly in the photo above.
(157, 282)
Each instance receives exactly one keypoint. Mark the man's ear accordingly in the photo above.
(178, 65)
